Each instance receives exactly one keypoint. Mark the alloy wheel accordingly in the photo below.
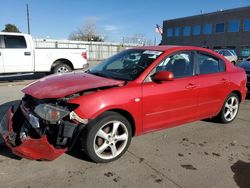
(110, 140)
(231, 108)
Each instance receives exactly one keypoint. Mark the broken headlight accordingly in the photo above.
(50, 113)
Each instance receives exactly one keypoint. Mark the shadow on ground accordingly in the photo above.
(4, 151)
(22, 78)
(77, 152)
(241, 172)
(248, 97)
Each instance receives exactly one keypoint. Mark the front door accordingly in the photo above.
(170, 103)
(1, 56)
(1, 62)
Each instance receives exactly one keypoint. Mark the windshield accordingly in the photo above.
(234, 53)
(126, 65)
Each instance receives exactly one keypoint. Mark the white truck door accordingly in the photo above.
(1, 62)
(1, 56)
(16, 54)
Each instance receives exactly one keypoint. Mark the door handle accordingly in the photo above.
(0, 54)
(27, 53)
(190, 86)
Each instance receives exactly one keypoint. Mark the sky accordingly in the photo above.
(57, 19)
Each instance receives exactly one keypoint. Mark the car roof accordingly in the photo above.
(172, 47)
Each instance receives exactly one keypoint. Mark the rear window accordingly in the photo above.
(209, 64)
(14, 42)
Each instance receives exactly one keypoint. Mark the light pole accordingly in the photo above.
(28, 18)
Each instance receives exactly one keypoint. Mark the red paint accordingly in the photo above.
(58, 86)
(152, 105)
(163, 76)
(36, 149)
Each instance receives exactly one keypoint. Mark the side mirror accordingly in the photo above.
(163, 76)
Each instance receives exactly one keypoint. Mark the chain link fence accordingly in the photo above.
(96, 51)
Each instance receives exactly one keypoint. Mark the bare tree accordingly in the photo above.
(87, 32)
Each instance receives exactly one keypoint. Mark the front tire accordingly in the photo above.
(107, 138)
(230, 109)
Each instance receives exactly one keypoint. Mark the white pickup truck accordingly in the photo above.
(19, 55)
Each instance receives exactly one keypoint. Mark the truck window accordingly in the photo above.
(14, 42)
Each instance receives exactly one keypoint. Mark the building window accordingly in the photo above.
(169, 32)
(234, 26)
(177, 31)
(245, 51)
(186, 31)
(246, 26)
(220, 28)
(207, 29)
(197, 30)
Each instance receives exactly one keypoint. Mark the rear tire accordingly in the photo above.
(107, 138)
(229, 109)
(62, 68)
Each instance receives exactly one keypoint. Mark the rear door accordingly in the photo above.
(213, 84)
(16, 54)
(1, 56)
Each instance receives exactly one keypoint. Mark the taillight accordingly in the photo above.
(84, 55)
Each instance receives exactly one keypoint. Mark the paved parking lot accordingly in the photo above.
(200, 154)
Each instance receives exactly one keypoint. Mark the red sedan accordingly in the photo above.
(134, 92)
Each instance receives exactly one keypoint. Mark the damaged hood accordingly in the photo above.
(61, 85)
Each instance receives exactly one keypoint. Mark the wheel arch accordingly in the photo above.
(62, 60)
(128, 116)
(238, 93)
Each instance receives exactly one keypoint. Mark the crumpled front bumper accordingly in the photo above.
(30, 148)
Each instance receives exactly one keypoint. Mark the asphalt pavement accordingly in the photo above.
(199, 154)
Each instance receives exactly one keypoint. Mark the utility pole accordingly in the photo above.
(28, 18)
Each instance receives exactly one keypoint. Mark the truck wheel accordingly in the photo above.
(62, 68)
(107, 138)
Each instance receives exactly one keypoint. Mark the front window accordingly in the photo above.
(126, 65)
(12, 41)
(180, 64)
(219, 28)
(234, 26)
